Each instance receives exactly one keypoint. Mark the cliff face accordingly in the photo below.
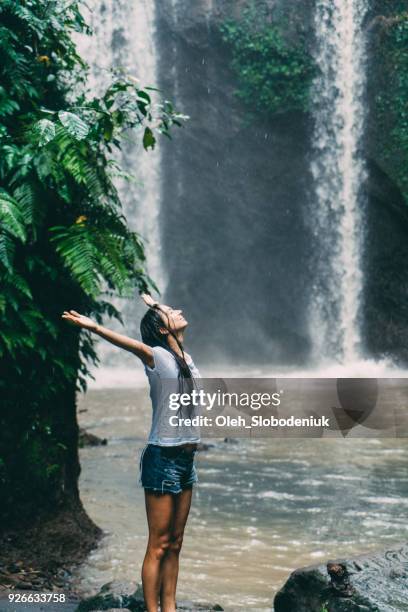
(235, 199)
(235, 240)
(386, 273)
(386, 281)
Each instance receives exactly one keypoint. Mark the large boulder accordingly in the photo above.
(375, 582)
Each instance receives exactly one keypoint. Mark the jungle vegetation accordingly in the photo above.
(389, 61)
(64, 241)
(274, 73)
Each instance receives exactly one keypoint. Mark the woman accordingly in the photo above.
(167, 470)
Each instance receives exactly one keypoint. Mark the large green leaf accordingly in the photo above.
(44, 130)
(74, 125)
(7, 249)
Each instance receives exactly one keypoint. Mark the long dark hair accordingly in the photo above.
(150, 326)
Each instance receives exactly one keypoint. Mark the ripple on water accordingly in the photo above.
(216, 485)
(386, 500)
(207, 471)
(312, 483)
(342, 477)
(279, 495)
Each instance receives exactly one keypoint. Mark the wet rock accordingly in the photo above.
(23, 585)
(204, 446)
(376, 582)
(89, 439)
(112, 597)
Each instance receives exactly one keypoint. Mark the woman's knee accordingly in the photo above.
(176, 542)
(159, 546)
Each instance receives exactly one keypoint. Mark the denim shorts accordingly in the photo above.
(167, 469)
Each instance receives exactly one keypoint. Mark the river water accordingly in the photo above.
(261, 508)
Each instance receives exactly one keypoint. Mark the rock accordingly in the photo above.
(190, 606)
(204, 446)
(376, 582)
(89, 439)
(23, 585)
(112, 596)
(109, 596)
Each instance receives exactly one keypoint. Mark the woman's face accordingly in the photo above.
(173, 319)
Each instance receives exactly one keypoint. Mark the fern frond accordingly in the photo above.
(26, 197)
(11, 218)
(74, 246)
(95, 254)
(7, 249)
(29, 19)
(19, 282)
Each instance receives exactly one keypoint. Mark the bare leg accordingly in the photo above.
(160, 511)
(170, 563)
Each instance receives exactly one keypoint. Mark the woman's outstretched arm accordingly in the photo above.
(143, 351)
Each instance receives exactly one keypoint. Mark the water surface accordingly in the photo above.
(261, 509)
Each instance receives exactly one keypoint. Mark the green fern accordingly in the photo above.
(11, 218)
(75, 246)
(7, 251)
(95, 255)
(64, 242)
(25, 195)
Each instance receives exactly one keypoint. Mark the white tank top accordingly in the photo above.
(164, 381)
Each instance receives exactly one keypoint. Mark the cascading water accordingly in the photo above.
(219, 174)
(339, 173)
(124, 38)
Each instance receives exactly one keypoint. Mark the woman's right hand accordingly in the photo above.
(79, 320)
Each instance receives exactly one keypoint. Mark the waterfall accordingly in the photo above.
(123, 37)
(339, 172)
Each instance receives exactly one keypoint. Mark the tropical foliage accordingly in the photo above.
(275, 71)
(274, 75)
(390, 51)
(64, 242)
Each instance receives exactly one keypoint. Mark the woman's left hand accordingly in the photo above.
(148, 300)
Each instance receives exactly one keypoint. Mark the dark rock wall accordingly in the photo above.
(385, 269)
(234, 239)
(385, 328)
(235, 201)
